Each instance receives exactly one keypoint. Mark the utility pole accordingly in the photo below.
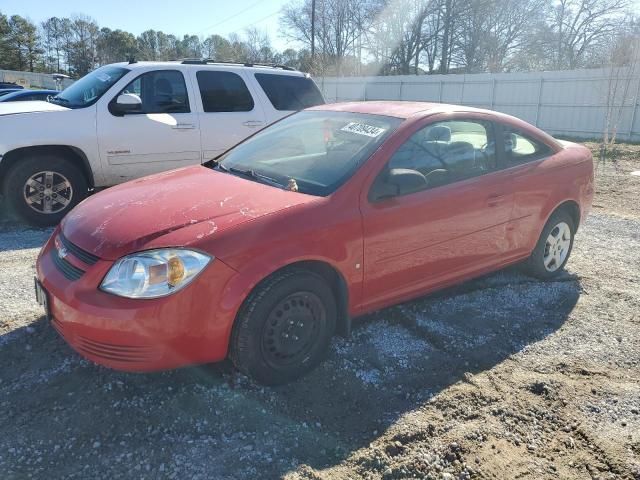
(313, 30)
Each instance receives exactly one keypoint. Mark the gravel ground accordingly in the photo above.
(501, 377)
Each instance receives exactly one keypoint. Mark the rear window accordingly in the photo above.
(224, 92)
(287, 92)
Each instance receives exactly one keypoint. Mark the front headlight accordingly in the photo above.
(154, 273)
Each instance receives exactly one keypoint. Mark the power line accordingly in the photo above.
(229, 18)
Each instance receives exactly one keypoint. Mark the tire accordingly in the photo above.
(542, 263)
(29, 203)
(284, 328)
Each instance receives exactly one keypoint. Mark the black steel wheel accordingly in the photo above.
(284, 328)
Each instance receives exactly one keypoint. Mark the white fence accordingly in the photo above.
(33, 80)
(572, 103)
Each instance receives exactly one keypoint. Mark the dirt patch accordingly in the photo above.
(617, 191)
(501, 377)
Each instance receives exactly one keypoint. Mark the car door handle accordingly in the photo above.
(252, 123)
(184, 126)
(495, 200)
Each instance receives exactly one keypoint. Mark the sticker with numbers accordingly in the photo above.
(362, 129)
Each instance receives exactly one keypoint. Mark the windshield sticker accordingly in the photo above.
(363, 129)
(103, 77)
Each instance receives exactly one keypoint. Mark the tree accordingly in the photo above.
(81, 45)
(624, 67)
(4, 44)
(53, 43)
(340, 24)
(21, 43)
(578, 25)
(189, 47)
(258, 46)
(216, 47)
(115, 46)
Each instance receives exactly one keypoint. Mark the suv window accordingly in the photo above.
(224, 92)
(161, 91)
(521, 149)
(446, 152)
(288, 92)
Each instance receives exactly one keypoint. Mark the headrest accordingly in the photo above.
(510, 141)
(439, 133)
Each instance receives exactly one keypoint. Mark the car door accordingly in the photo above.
(227, 109)
(451, 227)
(161, 135)
(525, 159)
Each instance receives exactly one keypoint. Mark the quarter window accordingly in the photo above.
(520, 148)
(446, 152)
(289, 92)
(224, 92)
(162, 91)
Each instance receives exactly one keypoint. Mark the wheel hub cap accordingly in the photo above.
(48, 192)
(557, 247)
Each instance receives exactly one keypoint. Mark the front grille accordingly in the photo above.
(76, 251)
(69, 271)
(117, 353)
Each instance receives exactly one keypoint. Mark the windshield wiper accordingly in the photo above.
(257, 176)
(249, 173)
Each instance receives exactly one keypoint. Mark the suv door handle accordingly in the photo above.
(252, 123)
(184, 126)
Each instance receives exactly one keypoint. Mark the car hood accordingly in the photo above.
(11, 108)
(196, 201)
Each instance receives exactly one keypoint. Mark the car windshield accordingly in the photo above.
(312, 152)
(89, 88)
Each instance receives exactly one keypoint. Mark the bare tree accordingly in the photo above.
(623, 71)
(339, 26)
(577, 25)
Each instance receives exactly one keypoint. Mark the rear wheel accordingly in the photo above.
(284, 328)
(553, 248)
(44, 188)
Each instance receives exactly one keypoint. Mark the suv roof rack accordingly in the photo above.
(206, 61)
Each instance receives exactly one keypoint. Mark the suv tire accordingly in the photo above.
(43, 188)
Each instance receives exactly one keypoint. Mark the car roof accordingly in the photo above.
(400, 109)
(405, 110)
(213, 66)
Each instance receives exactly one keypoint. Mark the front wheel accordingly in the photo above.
(553, 248)
(284, 328)
(44, 188)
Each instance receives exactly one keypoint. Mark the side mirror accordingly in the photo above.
(126, 103)
(398, 181)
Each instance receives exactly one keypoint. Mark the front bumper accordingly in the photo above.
(188, 327)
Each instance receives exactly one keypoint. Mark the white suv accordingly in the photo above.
(123, 121)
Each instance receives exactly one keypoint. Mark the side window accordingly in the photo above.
(162, 91)
(443, 153)
(224, 92)
(521, 149)
(289, 92)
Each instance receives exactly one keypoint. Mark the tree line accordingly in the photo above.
(459, 36)
(77, 45)
(353, 37)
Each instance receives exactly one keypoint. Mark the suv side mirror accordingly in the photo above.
(397, 181)
(126, 103)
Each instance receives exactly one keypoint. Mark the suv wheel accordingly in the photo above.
(44, 188)
(284, 328)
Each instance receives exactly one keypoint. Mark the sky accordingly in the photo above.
(200, 17)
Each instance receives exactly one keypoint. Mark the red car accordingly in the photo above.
(262, 255)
